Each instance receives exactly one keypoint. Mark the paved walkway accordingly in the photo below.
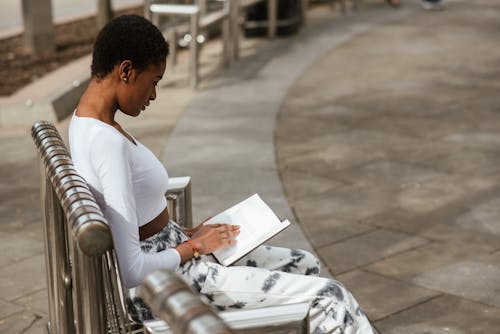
(381, 126)
(388, 152)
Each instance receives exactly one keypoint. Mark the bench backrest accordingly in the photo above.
(84, 289)
(84, 285)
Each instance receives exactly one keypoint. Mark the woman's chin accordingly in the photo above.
(132, 113)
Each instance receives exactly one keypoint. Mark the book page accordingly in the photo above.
(257, 224)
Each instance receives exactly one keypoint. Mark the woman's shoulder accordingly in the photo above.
(93, 130)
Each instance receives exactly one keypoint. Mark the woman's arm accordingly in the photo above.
(111, 160)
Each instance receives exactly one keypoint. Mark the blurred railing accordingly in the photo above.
(229, 16)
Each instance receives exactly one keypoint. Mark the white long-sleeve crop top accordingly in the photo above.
(129, 184)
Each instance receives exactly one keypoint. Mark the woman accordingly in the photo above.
(129, 183)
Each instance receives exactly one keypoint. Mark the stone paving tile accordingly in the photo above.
(8, 309)
(408, 265)
(427, 196)
(301, 185)
(37, 302)
(482, 217)
(451, 159)
(443, 315)
(370, 289)
(23, 323)
(423, 128)
(18, 246)
(473, 280)
(316, 126)
(358, 146)
(14, 283)
(439, 225)
(475, 140)
(348, 203)
(327, 230)
(367, 248)
(387, 173)
(20, 206)
(326, 157)
(329, 154)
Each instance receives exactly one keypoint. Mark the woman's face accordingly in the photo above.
(138, 88)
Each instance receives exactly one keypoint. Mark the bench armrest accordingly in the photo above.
(179, 200)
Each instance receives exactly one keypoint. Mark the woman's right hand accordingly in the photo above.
(209, 238)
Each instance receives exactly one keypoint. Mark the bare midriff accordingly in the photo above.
(154, 226)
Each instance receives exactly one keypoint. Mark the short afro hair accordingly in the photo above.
(128, 37)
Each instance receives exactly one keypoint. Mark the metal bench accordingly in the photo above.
(229, 16)
(85, 293)
(198, 20)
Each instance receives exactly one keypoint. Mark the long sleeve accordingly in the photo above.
(111, 159)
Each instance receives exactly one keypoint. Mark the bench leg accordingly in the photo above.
(172, 41)
(194, 50)
(272, 10)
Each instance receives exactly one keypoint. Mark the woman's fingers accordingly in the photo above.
(214, 236)
(228, 231)
(229, 234)
(231, 242)
(226, 227)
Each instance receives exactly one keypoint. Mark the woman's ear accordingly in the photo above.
(125, 70)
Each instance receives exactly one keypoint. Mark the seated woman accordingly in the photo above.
(129, 183)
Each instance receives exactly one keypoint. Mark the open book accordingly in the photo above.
(257, 222)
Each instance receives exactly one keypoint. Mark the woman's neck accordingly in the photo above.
(98, 101)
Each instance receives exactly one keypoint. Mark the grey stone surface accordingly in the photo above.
(36, 302)
(371, 289)
(327, 230)
(7, 309)
(483, 217)
(402, 155)
(347, 203)
(18, 247)
(14, 283)
(473, 280)
(367, 248)
(24, 322)
(443, 315)
(422, 260)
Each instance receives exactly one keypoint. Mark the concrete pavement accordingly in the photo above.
(376, 130)
(388, 152)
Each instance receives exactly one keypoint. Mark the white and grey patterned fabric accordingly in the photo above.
(267, 276)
